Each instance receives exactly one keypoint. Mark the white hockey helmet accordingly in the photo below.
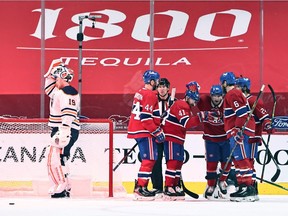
(63, 72)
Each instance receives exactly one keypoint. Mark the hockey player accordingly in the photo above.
(177, 121)
(217, 147)
(236, 112)
(64, 122)
(147, 134)
(164, 101)
(262, 121)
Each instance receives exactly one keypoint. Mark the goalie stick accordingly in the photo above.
(125, 156)
(242, 130)
(272, 183)
(268, 139)
(278, 171)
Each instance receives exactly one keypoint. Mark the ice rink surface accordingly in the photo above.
(267, 206)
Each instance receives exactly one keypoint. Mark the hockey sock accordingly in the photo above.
(211, 174)
(170, 173)
(145, 172)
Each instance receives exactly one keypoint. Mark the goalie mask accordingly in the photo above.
(63, 72)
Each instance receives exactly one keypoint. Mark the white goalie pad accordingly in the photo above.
(62, 137)
(56, 172)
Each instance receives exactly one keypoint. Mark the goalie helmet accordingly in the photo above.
(193, 95)
(63, 72)
(216, 90)
(229, 77)
(150, 75)
(243, 82)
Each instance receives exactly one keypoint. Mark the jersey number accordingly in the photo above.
(136, 111)
(72, 102)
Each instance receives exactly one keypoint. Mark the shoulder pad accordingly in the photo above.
(70, 90)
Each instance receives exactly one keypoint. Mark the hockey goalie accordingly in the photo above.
(64, 123)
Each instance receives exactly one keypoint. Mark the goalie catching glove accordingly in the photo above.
(159, 135)
(62, 137)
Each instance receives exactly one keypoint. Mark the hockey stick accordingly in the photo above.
(242, 131)
(278, 171)
(173, 92)
(272, 183)
(268, 139)
(125, 156)
(188, 192)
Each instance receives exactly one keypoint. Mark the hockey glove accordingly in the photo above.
(268, 126)
(237, 134)
(54, 63)
(257, 140)
(210, 116)
(159, 135)
(62, 137)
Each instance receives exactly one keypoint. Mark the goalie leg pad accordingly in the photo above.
(55, 171)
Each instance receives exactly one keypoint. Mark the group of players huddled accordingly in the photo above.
(159, 123)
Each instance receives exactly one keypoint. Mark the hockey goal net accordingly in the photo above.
(23, 145)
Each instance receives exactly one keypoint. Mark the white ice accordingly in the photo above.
(267, 206)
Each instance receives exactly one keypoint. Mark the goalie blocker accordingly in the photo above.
(61, 137)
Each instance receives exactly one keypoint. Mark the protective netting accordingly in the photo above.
(18, 126)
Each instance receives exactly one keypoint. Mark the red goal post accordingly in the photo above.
(14, 139)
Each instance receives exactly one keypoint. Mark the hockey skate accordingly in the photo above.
(244, 194)
(170, 194)
(142, 193)
(222, 189)
(180, 193)
(158, 193)
(210, 193)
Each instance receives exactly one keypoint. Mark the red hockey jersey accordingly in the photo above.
(236, 111)
(141, 123)
(259, 114)
(178, 120)
(213, 128)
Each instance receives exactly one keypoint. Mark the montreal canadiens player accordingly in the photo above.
(146, 133)
(217, 147)
(236, 112)
(262, 121)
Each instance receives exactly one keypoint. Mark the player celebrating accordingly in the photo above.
(236, 111)
(64, 122)
(262, 121)
(177, 121)
(216, 143)
(147, 134)
(164, 101)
